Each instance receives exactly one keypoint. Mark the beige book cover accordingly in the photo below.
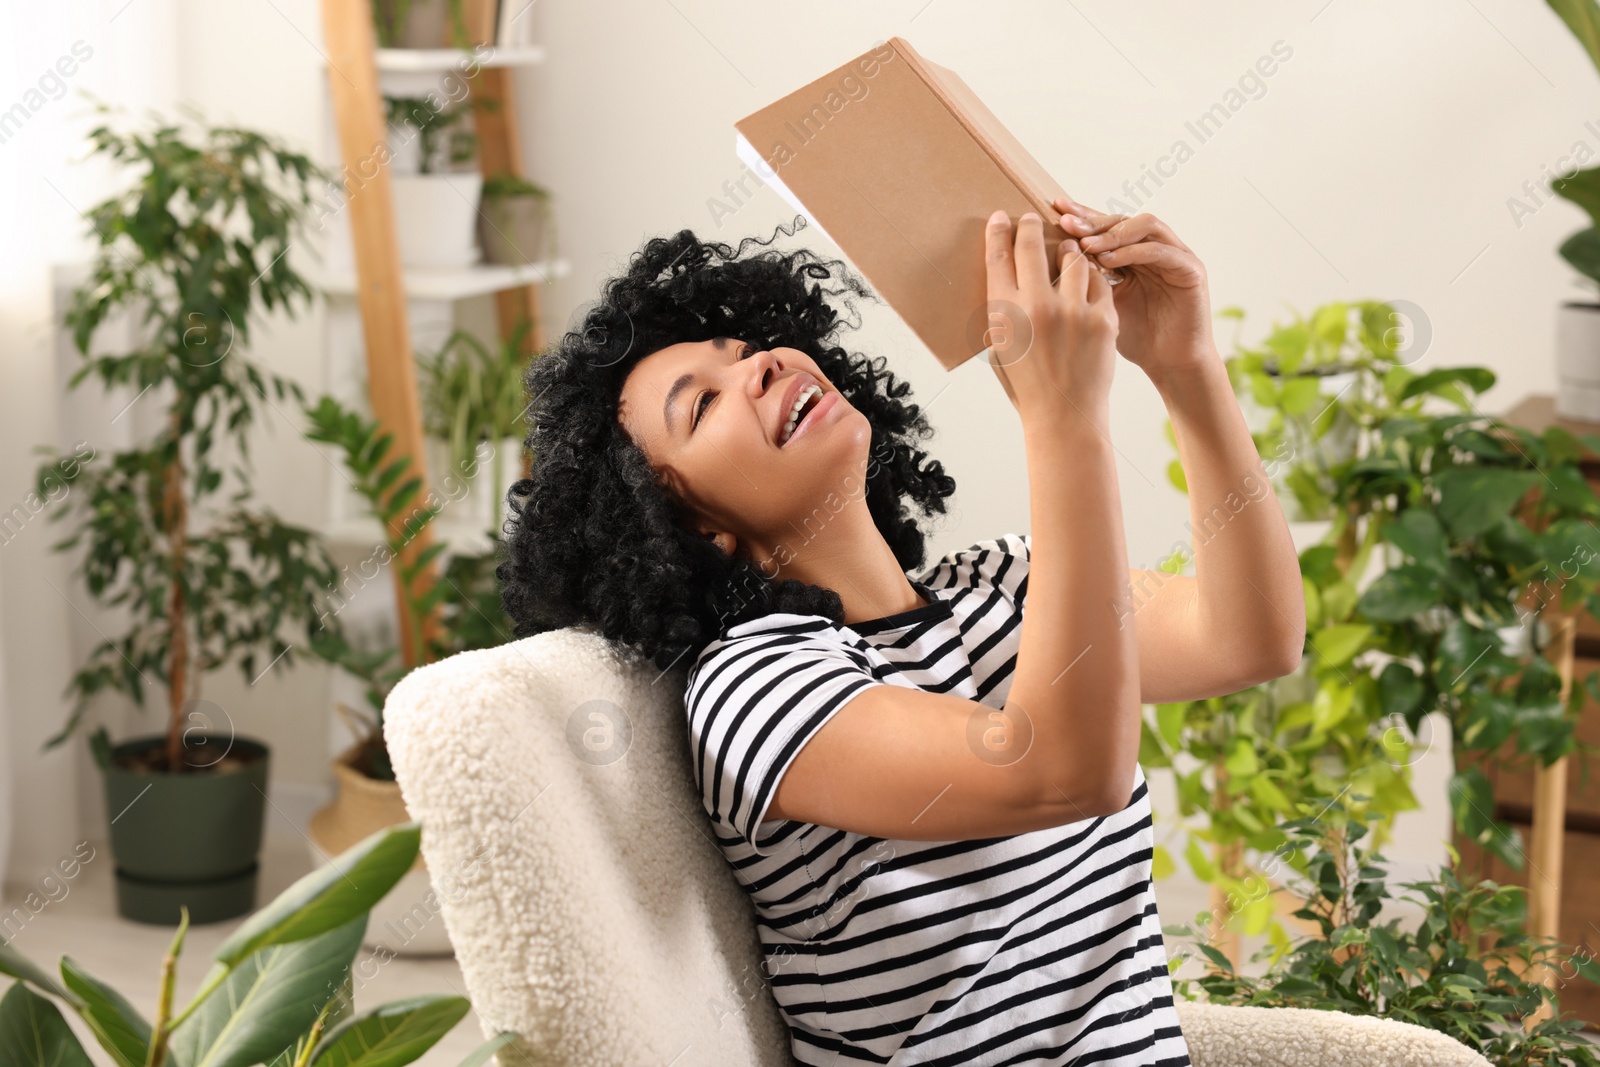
(900, 164)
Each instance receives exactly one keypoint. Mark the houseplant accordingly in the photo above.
(419, 23)
(436, 183)
(516, 225)
(1578, 322)
(190, 254)
(1466, 968)
(1470, 517)
(472, 400)
(470, 616)
(279, 992)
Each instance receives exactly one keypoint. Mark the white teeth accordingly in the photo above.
(794, 413)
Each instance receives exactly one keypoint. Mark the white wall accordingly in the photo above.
(1377, 164)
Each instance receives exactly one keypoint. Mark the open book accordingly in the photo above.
(900, 164)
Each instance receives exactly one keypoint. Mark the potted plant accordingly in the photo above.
(419, 23)
(472, 402)
(1465, 968)
(1470, 515)
(1578, 322)
(436, 183)
(190, 254)
(471, 616)
(280, 990)
(516, 225)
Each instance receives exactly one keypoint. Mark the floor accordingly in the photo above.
(84, 924)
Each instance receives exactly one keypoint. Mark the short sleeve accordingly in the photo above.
(1000, 562)
(753, 701)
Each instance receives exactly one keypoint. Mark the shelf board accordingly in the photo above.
(422, 60)
(457, 283)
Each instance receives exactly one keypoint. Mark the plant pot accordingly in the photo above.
(515, 229)
(407, 921)
(1578, 361)
(191, 839)
(471, 500)
(425, 22)
(435, 215)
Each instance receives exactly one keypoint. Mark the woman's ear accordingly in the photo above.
(724, 541)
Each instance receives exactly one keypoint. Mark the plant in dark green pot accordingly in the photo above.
(516, 225)
(189, 256)
(279, 991)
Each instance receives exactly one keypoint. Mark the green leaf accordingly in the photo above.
(1169, 722)
(33, 1032)
(268, 1001)
(1583, 19)
(1161, 865)
(1418, 534)
(1199, 862)
(1478, 379)
(391, 1034)
(17, 965)
(330, 896)
(1399, 689)
(1241, 761)
(1337, 644)
(1582, 250)
(1399, 593)
(116, 1023)
(1472, 499)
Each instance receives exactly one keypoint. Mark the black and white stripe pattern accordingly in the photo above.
(1037, 948)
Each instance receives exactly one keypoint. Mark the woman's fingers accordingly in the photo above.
(1033, 268)
(1163, 257)
(1112, 231)
(997, 256)
(1075, 269)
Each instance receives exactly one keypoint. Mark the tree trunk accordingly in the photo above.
(177, 618)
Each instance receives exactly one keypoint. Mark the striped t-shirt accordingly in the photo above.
(1035, 948)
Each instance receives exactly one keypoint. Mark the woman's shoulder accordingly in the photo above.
(1001, 559)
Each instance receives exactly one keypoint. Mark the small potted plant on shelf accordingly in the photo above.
(471, 615)
(472, 402)
(419, 23)
(436, 182)
(280, 991)
(188, 257)
(516, 225)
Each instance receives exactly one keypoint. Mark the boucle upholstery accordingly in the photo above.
(590, 910)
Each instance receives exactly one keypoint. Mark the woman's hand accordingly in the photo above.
(1047, 343)
(1163, 303)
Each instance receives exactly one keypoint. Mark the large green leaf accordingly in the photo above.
(1582, 250)
(116, 1023)
(17, 965)
(268, 1001)
(1583, 19)
(1478, 379)
(391, 1034)
(1472, 499)
(33, 1032)
(331, 895)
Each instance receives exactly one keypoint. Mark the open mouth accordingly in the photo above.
(811, 396)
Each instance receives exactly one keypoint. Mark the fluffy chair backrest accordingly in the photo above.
(590, 911)
(565, 838)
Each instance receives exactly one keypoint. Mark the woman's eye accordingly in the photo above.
(700, 406)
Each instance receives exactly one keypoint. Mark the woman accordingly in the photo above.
(932, 797)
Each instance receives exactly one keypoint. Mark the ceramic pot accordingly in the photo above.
(1578, 361)
(435, 216)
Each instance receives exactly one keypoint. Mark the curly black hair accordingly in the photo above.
(595, 539)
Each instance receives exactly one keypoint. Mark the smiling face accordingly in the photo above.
(713, 418)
